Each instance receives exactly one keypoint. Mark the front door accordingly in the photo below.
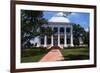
(55, 41)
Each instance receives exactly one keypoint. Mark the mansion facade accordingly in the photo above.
(63, 33)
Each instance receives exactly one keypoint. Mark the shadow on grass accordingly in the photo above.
(33, 54)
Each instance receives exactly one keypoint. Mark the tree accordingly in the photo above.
(30, 23)
(46, 31)
(86, 38)
(78, 32)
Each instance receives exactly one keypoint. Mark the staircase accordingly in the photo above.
(55, 47)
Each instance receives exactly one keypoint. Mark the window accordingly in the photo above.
(68, 30)
(68, 41)
(62, 29)
(55, 29)
(61, 40)
(42, 40)
(48, 40)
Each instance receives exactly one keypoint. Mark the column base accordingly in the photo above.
(71, 45)
(52, 45)
(45, 45)
(65, 46)
(58, 44)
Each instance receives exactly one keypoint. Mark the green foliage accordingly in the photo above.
(86, 38)
(78, 32)
(30, 23)
(46, 30)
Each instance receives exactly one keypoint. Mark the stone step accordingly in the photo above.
(55, 47)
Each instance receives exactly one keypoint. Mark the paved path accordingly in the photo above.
(53, 55)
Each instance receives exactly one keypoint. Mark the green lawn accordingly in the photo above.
(35, 54)
(75, 53)
(32, 55)
(32, 58)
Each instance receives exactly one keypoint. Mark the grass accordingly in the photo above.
(32, 55)
(75, 53)
(35, 54)
(32, 58)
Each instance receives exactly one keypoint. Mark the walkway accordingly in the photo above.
(53, 55)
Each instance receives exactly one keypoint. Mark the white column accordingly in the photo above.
(71, 36)
(52, 38)
(45, 40)
(65, 37)
(58, 36)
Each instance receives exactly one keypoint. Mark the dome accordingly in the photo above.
(59, 18)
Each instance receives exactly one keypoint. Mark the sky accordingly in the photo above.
(75, 17)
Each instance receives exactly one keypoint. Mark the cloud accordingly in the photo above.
(73, 13)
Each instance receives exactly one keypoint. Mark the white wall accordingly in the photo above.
(5, 36)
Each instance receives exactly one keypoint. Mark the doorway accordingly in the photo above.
(55, 42)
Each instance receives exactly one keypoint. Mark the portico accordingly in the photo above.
(63, 32)
(63, 36)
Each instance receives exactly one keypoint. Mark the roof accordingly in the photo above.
(59, 18)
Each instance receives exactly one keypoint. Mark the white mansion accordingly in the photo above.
(63, 36)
